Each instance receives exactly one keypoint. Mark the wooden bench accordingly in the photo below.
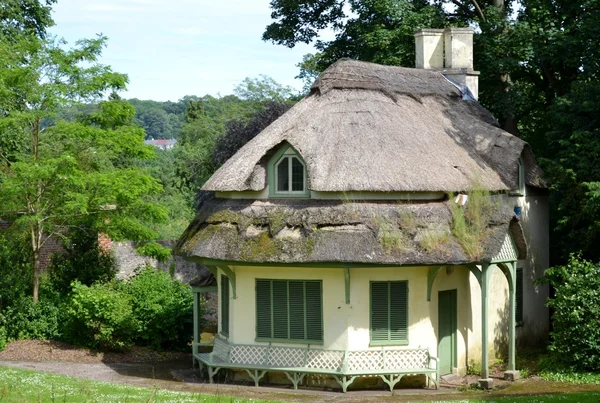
(344, 366)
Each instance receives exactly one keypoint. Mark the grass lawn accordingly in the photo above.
(562, 398)
(18, 385)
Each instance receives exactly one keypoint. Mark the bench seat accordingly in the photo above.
(344, 366)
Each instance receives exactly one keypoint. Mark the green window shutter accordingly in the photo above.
(280, 310)
(399, 311)
(389, 312)
(314, 310)
(519, 296)
(297, 310)
(224, 305)
(263, 309)
(289, 310)
(379, 311)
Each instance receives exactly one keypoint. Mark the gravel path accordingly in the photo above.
(147, 368)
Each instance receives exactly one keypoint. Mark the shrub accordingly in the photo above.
(82, 260)
(15, 271)
(100, 317)
(26, 320)
(576, 318)
(2, 337)
(162, 307)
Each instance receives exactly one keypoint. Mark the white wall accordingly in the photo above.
(346, 326)
(536, 226)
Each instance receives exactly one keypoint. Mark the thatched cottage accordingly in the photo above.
(347, 240)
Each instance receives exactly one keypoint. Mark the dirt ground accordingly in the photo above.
(146, 368)
(39, 350)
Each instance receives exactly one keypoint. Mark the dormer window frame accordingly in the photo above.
(286, 155)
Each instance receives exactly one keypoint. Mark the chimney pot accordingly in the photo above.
(429, 51)
(459, 48)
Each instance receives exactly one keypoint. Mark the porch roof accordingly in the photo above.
(322, 231)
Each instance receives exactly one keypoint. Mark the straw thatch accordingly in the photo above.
(204, 278)
(367, 127)
(307, 231)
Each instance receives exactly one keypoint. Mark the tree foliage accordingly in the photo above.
(239, 132)
(25, 16)
(207, 120)
(576, 313)
(59, 173)
(539, 76)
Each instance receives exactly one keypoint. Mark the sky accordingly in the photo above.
(172, 48)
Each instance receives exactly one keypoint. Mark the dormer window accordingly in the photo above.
(287, 174)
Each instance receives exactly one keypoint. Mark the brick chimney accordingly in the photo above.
(451, 52)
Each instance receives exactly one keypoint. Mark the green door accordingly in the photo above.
(447, 331)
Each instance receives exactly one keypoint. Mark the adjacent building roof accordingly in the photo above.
(368, 127)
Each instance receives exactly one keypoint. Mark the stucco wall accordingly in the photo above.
(346, 326)
(536, 227)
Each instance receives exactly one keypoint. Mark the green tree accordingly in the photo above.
(70, 173)
(576, 313)
(264, 89)
(539, 77)
(25, 16)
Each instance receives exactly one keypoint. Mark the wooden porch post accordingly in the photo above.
(485, 281)
(512, 289)
(196, 325)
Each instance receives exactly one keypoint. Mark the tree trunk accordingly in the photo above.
(36, 230)
(36, 242)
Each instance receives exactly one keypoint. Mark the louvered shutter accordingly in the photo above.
(263, 309)
(280, 309)
(519, 296)
(289, 310)
(398, 311)
(314, 310)
(224, 305)
(389, 312)
(297, 310)
(379, 311)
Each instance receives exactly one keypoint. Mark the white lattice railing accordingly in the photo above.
(311, 358)
(344, 366)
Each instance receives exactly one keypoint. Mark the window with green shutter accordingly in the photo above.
(519, 297)
(224, 305)
(289, 310)
(389, 312)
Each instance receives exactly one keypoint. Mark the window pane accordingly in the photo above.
(283, 183)
(297, 175)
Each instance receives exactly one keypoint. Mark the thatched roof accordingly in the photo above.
(204, 278)
(367, 127)
(307, 231)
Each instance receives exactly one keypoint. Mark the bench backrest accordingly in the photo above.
(220, 350)
(373, 360)
(298, 357)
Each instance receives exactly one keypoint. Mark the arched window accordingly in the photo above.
(287, 174)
